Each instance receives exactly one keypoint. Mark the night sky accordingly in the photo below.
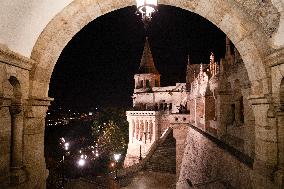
(96, 68)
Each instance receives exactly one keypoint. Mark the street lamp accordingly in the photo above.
(65, 146)
(116, 158)
(82, 162)
(146, 8)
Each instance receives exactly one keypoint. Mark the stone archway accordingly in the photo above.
(236, 24)
(246, 35)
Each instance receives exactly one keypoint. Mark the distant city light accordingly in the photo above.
(112, 164)
(90, 113)
(117, 157)
(81, 162)
(66, 145)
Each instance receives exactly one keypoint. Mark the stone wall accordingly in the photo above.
(22, 163)
(208, 160)
(12, 91)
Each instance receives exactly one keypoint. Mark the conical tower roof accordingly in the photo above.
(147, 64)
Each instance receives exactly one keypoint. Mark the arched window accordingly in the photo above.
(148, 83)
(16, 88)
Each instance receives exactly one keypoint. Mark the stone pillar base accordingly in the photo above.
(279, 178)
(262, 175)
(18, 176)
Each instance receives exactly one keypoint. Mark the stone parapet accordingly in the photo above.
(276, 58)
(15, 59)
(213, 160)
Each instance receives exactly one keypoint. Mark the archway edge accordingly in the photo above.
(247, 36)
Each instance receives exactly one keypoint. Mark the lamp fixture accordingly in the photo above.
(146, 8)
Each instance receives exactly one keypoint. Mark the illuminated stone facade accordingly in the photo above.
(214, 99)
(152, 107)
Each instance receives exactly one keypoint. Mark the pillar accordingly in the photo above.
(145, 131)
(130, 132)
(179, 132)
(34, 128)
(141, 129)
(223, 107)
(279, 177)
(133, 130)
(137, 129)
(148, 131)
(265, 160)
(18, 174)
(151, 131)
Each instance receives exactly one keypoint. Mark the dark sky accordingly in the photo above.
(96, 68)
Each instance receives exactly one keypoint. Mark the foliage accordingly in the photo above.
(110, 131)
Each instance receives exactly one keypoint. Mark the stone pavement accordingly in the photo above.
(152, 180)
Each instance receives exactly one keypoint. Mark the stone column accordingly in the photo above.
(280, 125)
(155, 131)
(18, 175)
(265, 160)
(34, 127)
(137, 129)
(133, 130)
(141, 130)
(279, 177)
(223, 106)
(151, 131)
(179, 132)
(145, 131)
(130, 131)
(148, 131)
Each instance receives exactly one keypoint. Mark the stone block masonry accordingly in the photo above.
(208, 160)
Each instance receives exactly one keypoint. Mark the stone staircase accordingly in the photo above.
(161, 158)
(164, 157)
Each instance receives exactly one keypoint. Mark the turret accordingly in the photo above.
(147, 75)
(189, 74)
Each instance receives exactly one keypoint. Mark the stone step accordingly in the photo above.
(164, 157)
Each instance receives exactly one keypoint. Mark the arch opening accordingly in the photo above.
(233, 22)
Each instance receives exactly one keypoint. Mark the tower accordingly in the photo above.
(147, 75)
(189, 74)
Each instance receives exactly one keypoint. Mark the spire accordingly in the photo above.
(188, 60)
(212, 58)
(147, 63)
(188, 66)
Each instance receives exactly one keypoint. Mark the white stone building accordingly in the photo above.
(152, 107)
